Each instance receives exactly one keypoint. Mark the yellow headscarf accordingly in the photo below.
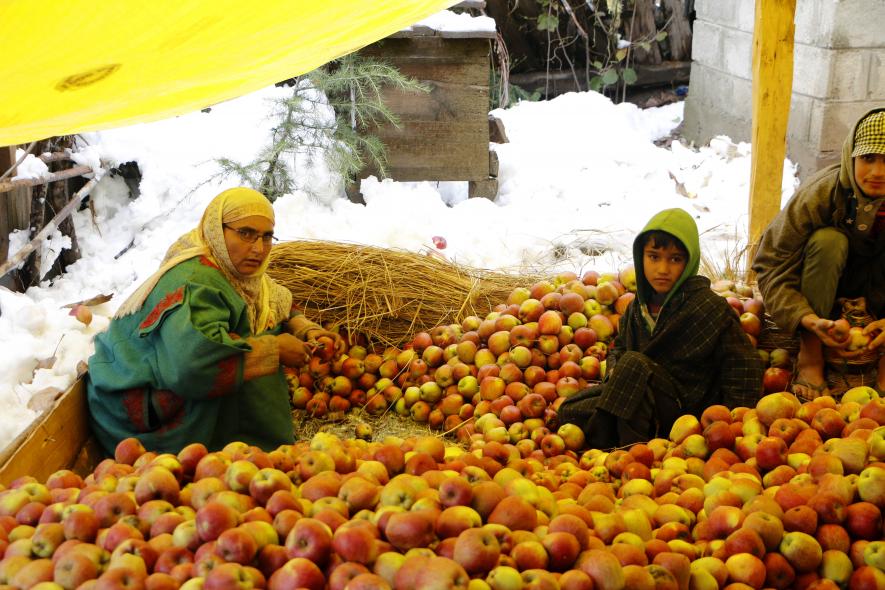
(267, 302)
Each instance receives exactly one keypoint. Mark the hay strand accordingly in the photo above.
(386, 294)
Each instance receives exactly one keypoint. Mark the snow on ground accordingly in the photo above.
(580, 176)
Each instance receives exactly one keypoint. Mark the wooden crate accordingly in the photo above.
(444, 134)
(59, 439)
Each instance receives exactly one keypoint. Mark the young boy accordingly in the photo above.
(679, 349)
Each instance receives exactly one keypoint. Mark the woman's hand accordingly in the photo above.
(293, 352)
(314, 335)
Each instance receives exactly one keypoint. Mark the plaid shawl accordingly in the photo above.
(698, 341)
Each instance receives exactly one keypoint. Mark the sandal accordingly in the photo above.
(820, 389)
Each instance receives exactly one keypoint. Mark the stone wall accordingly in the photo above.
(839, 73)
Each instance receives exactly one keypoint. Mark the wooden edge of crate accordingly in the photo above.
(421, 31)
(54, 441)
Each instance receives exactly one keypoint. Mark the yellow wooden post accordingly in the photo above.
(772, 89)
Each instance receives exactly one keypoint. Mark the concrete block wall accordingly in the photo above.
(838, 74)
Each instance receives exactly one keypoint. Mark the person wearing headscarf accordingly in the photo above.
(195, 354)
(828, 242)
(679, 349)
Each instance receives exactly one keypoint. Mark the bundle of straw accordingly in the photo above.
(385, 294)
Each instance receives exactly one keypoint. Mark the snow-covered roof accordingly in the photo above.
(449, 25)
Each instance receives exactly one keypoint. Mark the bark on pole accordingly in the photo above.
(772, 89)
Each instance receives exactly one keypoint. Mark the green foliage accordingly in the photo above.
(514, 94)
(548, 22)
(331, 112)
(549, 19)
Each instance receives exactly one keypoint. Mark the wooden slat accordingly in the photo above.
(444, 133)
(15, 206)
(427, 49)
(773, 39)
(53, 442)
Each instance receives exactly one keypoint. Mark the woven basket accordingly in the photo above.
(850, 365)
(839, 380)
(773, 337)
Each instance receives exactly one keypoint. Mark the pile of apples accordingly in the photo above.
(782, 495)
(504, 375)
(751, 312)
(519, 362)
(746, 304)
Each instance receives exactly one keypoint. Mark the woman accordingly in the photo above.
(829, 242)
(195, 354)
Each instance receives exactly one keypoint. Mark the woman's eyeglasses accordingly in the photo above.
(249, 235)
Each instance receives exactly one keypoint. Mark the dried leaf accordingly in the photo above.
(44, 399)
(46, 363)
(680, 188)
(97, 300)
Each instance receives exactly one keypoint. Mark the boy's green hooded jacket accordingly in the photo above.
(680, 225)
(830, 198)
(696, 339)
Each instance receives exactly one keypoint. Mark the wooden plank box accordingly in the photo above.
(59, 439)
(444, 134)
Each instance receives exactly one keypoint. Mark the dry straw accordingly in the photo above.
(386, 294)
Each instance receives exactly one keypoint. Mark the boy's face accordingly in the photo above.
(663, 266)
(869, 174)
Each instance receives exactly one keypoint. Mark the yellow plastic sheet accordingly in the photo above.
(68, 66)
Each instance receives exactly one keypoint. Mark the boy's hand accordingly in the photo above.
(876, 330)
(824, 330)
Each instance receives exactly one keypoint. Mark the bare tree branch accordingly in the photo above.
(9, 185)
(22, 254)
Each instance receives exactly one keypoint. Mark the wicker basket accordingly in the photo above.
(773, 337)
(851, 365)
(839, 381)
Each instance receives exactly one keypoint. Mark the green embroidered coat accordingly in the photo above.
(184, 369)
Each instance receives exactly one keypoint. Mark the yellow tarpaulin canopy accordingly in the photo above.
(73, 66)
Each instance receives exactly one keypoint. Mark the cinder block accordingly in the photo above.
(799, 126)
(839, 73)
(741, 103)
(812, 67)
(716, 11)
(857, 75)
(832, 121)
(708, 113)
(877, 76)
(746, 15)
(716, 85)
(706, 44)
(858, 23)
(814, 22)
(737, 51)
(698, 81)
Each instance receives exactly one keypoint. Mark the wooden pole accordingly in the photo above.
(772, 89)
